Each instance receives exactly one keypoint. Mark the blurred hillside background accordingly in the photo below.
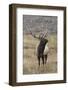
(40, 23)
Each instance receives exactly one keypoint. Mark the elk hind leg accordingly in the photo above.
(46, 58)
(43, 59)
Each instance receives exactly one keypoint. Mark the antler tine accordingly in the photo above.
(45, 34)
(32, 33)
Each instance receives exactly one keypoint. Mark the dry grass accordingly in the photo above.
(30, 59)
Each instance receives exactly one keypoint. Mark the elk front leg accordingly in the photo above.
(39, 60)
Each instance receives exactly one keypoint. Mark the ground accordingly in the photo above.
(30, 62)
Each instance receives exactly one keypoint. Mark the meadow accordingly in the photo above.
(30, 62)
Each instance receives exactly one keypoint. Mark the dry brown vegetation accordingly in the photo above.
(30, 59)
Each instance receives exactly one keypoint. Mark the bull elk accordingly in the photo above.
(42, 48)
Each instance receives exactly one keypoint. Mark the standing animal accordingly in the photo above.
(42, 48)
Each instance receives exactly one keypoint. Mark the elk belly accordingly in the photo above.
(46, 50)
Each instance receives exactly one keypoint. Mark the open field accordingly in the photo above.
(30, 62)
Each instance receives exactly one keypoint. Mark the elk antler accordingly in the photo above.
(43, 34)
(32, 34)
(46, 34)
